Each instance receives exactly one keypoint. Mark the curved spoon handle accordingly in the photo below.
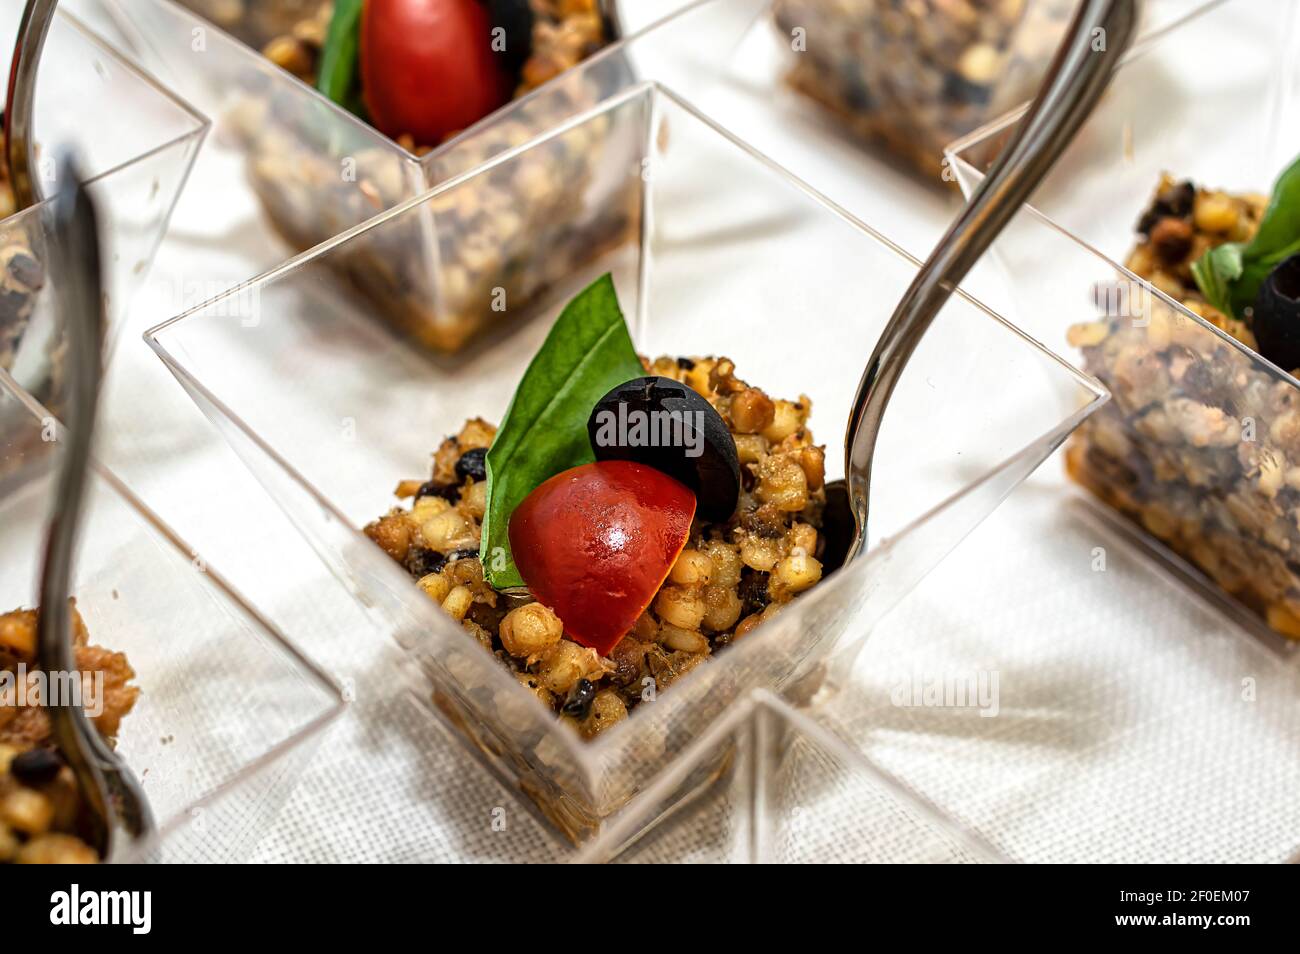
(117, 806)
(20, 101)
(1088, 56)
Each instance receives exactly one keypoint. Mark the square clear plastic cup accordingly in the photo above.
(135, 141)
(229, 710)
(318, 170)
(733, 256)
(1197, 450)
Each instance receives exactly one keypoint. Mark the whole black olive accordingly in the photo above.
(1276, 316)
(472, 464)
(664, 424)
(36, 766)
(515, 19)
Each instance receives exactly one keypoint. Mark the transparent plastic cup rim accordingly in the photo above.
(202, 124)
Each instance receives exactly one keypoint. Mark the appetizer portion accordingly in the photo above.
(629, 518)
(40, 807)
(1201, 443)
(915, 76)
(419, 71)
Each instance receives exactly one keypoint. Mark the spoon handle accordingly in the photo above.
(21, 98)
(1084, 63)
(117, 806)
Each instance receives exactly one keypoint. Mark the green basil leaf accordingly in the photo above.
(1280, 226)
(1256, 270)
(337, 75)
(1231, 274)
(586, 353)
(1215, 271)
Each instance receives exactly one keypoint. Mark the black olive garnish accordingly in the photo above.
(455, 555)
(957, 88)
(752, 591)
(36, 766)
(422, 562)
(1176, 201)
(431, 488)
(27, 270)
(664, 424)
(1276, 316)
(515, 18)
(472, 464)
(578, 702)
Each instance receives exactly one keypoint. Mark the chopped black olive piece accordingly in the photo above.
(666, 425)
(578, 702)
(422, 562)
(36, 766)
(752, 591)
(1275, 319)
(1177, 201)
(959, 89)
(462, 555)
(27, 270)
(448, 492)
(472, 464)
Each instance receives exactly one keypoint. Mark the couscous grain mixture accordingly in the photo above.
(729, 577)
(39, 802)
(1201, 443)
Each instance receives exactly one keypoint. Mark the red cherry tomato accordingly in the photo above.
(427, 66)
(596, 542)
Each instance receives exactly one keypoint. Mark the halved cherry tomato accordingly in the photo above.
(427, 66)
(596, 542)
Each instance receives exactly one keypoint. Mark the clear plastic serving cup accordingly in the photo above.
(733, 256)
(317, 170)
(1198, 450)
(229, 710)
(135, 141)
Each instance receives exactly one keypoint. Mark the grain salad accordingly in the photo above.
(441, 274)
(914, 76)
(1201, 443)
(40, 807)
(730, 576)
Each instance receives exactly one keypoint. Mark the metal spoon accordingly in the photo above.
(1088, 56)
(118, 814)
(29, 348)
(20, 147)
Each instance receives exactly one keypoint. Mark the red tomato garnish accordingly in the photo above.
(596, 542)
(427, 66)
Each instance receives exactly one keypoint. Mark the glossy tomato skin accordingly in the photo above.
(596, 542)
(427, 66)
